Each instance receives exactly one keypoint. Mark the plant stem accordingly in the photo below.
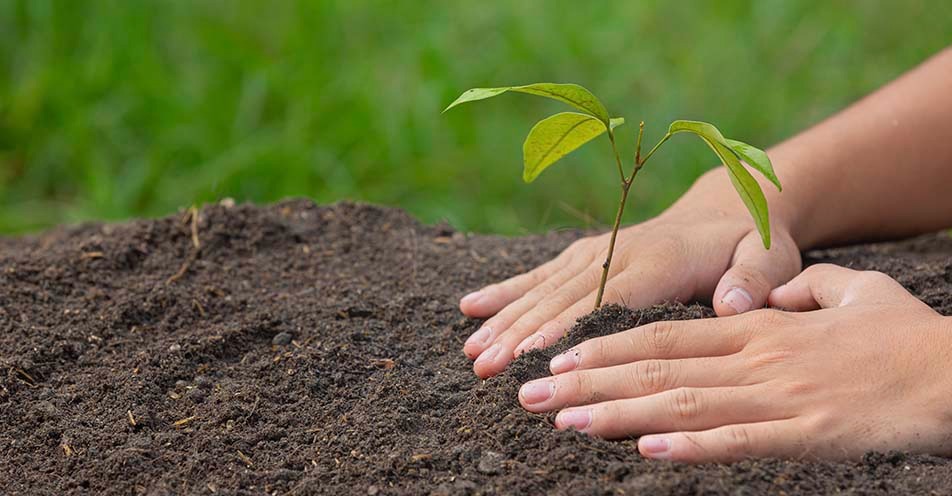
(625, 187)
(621, 172)
(641, 132)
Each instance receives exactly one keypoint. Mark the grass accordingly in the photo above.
(117, 109)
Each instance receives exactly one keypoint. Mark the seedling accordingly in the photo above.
(555, 137)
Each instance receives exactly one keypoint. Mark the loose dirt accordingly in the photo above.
(303, 349)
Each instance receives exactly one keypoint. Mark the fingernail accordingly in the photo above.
(471, 298)
(533, 342)
(537, 391)
(489, 354)
(565, 362)
(480, 337)
(654, 447)
(738, 299)
(579, 419)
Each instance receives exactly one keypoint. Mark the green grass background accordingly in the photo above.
(128, 108)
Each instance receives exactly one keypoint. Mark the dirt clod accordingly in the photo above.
(369, 377)
(490, 463)
(282, 339)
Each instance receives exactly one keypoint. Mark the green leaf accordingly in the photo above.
(572, 94)
(701, 129)
(555, 137)
(616, 121)
(756, 158)
(747, 187)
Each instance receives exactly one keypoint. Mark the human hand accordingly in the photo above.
(870, 370)
(693, 251)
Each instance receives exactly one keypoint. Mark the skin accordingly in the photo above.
(878, 170)
(758, 384)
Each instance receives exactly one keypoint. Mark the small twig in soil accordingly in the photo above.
(201, 309)
(92, 254)
(383, 363)
(26, 378)
(196, 248)
(132, 420)
(244, 458)
(179, 424)
(253, 408)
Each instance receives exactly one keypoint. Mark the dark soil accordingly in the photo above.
(316, 350)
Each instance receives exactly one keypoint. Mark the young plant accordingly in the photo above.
(555, 137)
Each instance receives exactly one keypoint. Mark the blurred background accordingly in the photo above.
(129, 108)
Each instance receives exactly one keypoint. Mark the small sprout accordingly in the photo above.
(556, 136)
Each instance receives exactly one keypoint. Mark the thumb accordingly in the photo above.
(754, 271)
(830, 286)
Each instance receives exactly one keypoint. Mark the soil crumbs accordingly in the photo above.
(303, 349)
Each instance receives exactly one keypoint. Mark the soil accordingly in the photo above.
(303, 349)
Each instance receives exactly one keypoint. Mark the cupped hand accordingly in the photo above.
(688, 253)
(856, 364)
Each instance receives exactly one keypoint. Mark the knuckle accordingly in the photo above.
(797, 389)
(820, 268)
(737, 440)
(651, 376)
(820, 422)
(601, 349)
(659, 338)
(584, 388)
(769, 359)
(685, 404)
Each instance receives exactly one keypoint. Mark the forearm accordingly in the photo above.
(882, 168)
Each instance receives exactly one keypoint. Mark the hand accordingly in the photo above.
(871, 370)
(693, 251)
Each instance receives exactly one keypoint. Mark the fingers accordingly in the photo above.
(658, 340)
(502, 351)
(631, 380)
(830, 286)
(495, 326)
(491, 299)
(754, 272)
(728, 443)
(682, 409)
(631, 289)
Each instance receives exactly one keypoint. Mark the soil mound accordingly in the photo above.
(304, 349)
